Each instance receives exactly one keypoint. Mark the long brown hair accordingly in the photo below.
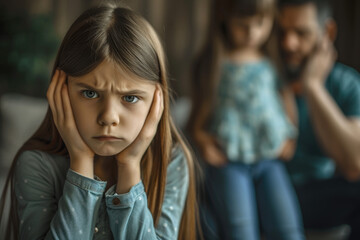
(206, 66)
(116, 33)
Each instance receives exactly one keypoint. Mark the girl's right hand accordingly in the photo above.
(288, 150)
(81, 156)
(211, 151)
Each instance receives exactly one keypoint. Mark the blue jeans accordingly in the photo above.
(242, 197)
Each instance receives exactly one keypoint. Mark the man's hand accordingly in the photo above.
(319, 64)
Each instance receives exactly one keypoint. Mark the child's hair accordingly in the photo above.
(207, 64)
(225, 10)
(111, 32)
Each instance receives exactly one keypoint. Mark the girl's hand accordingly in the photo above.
(81, 156)
(129, 159)
(213, 154)
(134, 152)
(288, 149)
(211, 150)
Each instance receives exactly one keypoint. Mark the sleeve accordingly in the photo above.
(41, 215)
(130, 217)
(349, 93)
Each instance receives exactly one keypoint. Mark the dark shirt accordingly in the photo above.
(310, 160)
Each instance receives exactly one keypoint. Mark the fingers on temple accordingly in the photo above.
(155, 113)
(54, 96)
(58, 99)
(157, 106)
(68, 114)
(50, 93)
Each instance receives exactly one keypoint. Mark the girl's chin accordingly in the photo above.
(107, 153)
(107, 149)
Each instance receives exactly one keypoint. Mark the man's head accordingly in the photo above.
(302, 25)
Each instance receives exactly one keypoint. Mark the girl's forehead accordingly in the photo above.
(109, 73)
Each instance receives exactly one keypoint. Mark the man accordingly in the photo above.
(326, 166)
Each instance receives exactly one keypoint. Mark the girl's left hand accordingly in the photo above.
(128, 160)
(135, 151)
(288, 150)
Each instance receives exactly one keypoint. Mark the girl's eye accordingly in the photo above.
(131, 99)
(90, 94)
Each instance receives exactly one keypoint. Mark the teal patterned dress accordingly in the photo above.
(248, 119)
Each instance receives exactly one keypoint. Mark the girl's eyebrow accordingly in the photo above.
(130, 92)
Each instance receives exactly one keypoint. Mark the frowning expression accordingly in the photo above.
(110, 106)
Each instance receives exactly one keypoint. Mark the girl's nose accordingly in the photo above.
(109, 115)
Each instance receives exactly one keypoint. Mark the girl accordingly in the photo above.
(240, 126)
(107, 162)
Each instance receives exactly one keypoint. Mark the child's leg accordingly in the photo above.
(232, 197)
(278, 206)
(209, 222)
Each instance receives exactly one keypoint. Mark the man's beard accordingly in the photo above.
(292, 72)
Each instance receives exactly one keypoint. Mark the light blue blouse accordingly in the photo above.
(249, 120)
(55, 202)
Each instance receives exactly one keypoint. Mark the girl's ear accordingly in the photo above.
(331, 29)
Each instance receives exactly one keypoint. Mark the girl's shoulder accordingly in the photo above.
(39, 163)
(39, 156)
(178, 164)
(38, 177)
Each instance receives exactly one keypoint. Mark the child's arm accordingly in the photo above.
(81, 156)
(127, 205)
(44, 211)
(288, 99)
(289, 104)
(210, 149)
(130, 217)
(207, 144)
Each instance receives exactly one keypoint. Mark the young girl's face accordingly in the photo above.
(250, 32)
(110, 106)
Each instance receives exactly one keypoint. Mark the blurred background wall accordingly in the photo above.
(31, 31)
(41, 24)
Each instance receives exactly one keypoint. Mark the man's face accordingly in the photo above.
(299, 33)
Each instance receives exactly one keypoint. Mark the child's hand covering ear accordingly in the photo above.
(81, 156)
(134, 152)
